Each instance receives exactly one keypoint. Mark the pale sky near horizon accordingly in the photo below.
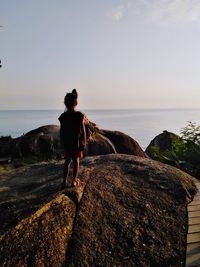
(117, 53)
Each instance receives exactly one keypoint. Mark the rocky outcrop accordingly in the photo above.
(162, 141)
(48, 129)
(98, 144)
(171, 149)
(123, 143)
(129, 214)
(45, 140)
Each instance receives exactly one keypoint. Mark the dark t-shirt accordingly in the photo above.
(70, 130)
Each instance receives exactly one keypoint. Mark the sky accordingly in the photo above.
(116, 53)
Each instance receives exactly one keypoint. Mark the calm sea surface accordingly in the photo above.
(141, 124)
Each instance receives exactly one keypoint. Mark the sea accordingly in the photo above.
(141, 124)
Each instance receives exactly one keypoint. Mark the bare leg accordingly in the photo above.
(66, 172)
(75, 171)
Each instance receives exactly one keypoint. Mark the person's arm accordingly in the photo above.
(61, 130)
(85, 120)
(61, 134)
(83, 131)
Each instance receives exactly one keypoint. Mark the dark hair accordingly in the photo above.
(70, 99)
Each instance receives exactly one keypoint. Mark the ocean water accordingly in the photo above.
(141, 124)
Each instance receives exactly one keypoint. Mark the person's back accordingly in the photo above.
(71, 133)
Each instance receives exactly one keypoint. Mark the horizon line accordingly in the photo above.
(100, 109)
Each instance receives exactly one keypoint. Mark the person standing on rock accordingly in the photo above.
(73, 137)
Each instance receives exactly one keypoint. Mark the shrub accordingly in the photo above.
(191, 132)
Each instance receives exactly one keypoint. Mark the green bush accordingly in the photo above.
(173, 155)
(191, 133)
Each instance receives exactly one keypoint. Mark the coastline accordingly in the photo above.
(141, 124)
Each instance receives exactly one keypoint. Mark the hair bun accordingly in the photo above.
(74, 92)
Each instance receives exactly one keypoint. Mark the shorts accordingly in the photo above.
(78, 154)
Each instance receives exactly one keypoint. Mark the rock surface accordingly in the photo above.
(123, 143)
(98, 144)
(132, 213)
(40, 240)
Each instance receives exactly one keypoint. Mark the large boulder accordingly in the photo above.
(129, 214)
(163, 141)
(171, 149)
(45, 140)
(47, 129)
(123, 143)
(98, 144)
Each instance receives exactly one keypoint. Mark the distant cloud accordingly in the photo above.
(165, 12)
(177, 11)
(170, 11)
(117, 13)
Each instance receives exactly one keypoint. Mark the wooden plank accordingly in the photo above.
(193, 260)
(194, 208)
(194, 214)
(193, 220)
(197, 197)
(194, 228)
(193, 248)
(193, 237)
(194, 203)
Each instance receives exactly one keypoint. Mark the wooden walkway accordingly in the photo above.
(193, 236)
